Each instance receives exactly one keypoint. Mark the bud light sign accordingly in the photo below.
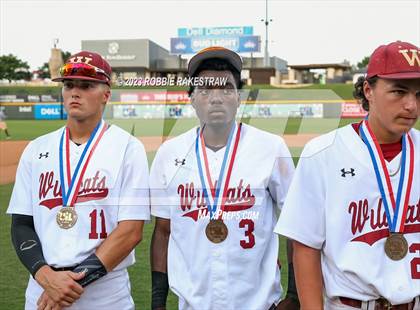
(191, 45)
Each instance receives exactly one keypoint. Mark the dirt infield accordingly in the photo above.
(10, 152)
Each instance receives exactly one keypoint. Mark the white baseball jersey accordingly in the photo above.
(114, 188)
(241, 272)
(334, 205)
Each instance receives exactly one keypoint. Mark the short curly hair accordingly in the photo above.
(358, 92)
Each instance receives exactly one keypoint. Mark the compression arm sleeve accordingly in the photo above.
(26, 243)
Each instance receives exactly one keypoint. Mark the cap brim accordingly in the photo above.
(400, 76)
(228, 55)
(79, 77)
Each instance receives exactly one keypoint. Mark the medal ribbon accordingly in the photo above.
(70, 186)
(395, 209)
(213, 199)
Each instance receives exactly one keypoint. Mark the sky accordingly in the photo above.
(302, 31)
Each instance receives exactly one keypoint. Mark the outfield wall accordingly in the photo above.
(157, 104)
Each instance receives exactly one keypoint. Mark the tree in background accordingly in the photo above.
(44, 71)
(363, 63)
(13, 68)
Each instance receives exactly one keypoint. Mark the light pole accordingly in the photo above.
(266, 22)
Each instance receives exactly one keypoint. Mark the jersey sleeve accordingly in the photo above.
(281, 175)
(159, 195)
(134, 194)
(21, 199)
(303, 214)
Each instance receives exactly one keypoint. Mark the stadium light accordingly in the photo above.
(266, 21)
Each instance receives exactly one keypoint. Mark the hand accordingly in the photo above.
(60, 286)
(288, 303)
(46, 303)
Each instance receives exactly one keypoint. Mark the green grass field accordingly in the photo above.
(13, 276)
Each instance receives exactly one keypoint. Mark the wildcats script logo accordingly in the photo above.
(90, 189)
(362, 216)
(237, 199)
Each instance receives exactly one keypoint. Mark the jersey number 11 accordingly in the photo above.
(93, 221)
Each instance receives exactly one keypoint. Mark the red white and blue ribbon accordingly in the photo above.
(395, 206)
(70, 184)
(215, 193)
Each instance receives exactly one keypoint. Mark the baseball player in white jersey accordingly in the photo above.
(79, 200)
(353, 207)
(215, 191)
(3, 125)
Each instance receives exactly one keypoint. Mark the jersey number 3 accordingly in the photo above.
(249, 225)
(93, 221)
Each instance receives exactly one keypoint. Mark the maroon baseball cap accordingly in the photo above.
(397, 60)
(88, 66)
(214, 52)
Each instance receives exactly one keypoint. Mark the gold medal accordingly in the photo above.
(216, 231)
(66, 217)
(396, 246)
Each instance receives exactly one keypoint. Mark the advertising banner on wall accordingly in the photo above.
(155, 96)
(133, 111)
(352, 110)
(49, 111)
(18, 111)
(12, 98)
(29, 98)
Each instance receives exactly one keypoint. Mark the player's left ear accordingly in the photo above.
(107, 93)
(192, 99)
(367, 90)
(239, 98)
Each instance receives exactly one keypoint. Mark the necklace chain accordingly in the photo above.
(398, 170)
